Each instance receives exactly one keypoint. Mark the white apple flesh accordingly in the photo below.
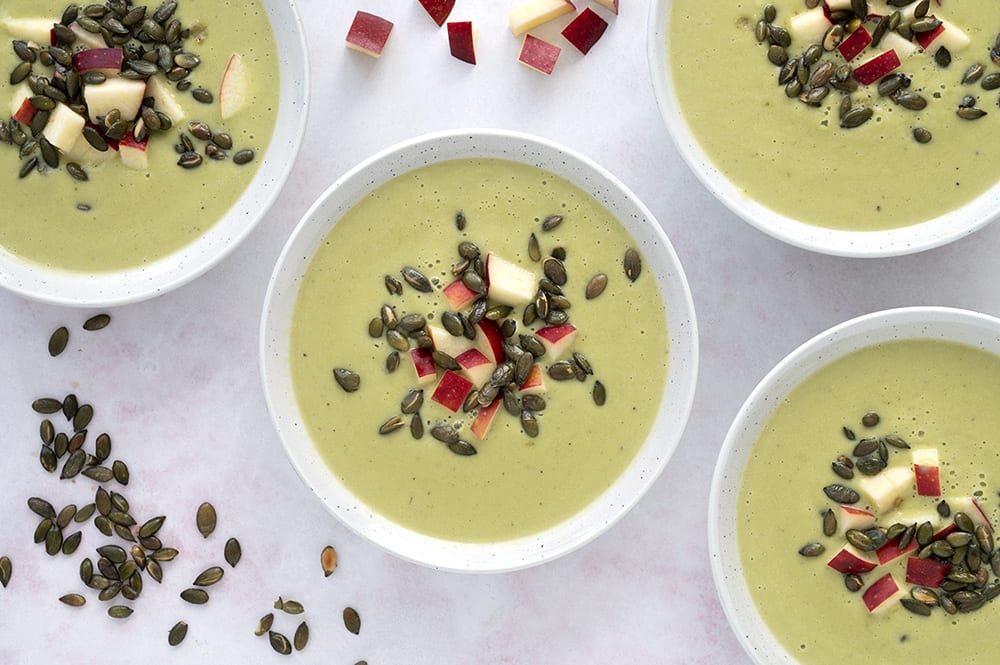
(116, 93)
(533, 13)
(557, 340)
(133, 153)
(233, 90)
(509, 283)
(64, 128)
(36, 30)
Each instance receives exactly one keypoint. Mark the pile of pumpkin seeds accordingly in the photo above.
(811, 75)
(154, 42)
(973, 578)
(521, 350)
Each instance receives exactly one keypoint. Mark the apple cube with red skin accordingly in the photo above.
(484, 419)
(971, 508)
(462, 41)
(585, 30)
(610, 5)
(65, 127)
(234, 88)
(126, 95)
(881, 594)
(452, 390)
(447, 343)
(890, 551)
(538, 54)
(489, 340)
(927, 471)
(852, 560)
(853, 518)
(509, 283)
(872, 70)
(535, 383)
(855, 43)
(947, 35)
(25, 112)
(133, 153)
(438, 10)
(21, 95)
(368, 34)
(475, 366)
(557, 340)
(459, 295)
(886, 490)
(532, 13)
(926, 572)
(108, 61)
(423, 365)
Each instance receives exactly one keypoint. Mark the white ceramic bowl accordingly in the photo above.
(905, 240)
(83, 289)
(971, 328)
(651, 458)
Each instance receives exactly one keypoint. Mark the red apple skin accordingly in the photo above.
(847, 562)
(890, 551)
(538, 54)
(928, 479)
(423, 364)
(494, 337)
(484, 419)
(462, 43)
(130, 142)
(369, 33)
(925, 39)
(855, 43)
(926, 572)
(585, 30)
(439, 10)
(451, 391)
(535, 381)
(25, 113)
(874, 69)
(879, 590)
(459, 295)
(98, 58)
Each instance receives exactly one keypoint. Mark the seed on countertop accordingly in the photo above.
(352, 620)
(195, 596)
(233, 552)
(264, 624)
(347, 379)
(6, 570)
(301, 637)
(177, 633)
(289, 606)
(209, 576)
(279, 643)
(73, 600)
(206, 519)
(119, 612)
(58, 341)
(328, 559)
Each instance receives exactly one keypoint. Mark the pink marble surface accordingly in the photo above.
(174, 381)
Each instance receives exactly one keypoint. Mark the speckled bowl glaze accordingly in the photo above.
(864, 244)
(82, 289)
(956, 325)
(651, 458)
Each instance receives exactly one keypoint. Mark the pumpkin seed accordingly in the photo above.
(829, 523)
(209, 576)
(633, 264)
(462, 447)
(922, 135)
(853, 582)
(74, 464)
(206, 519)
(352, 620)
(970, 113)
(195, 596)
(154, 570)
(73, 600)
(264, 624)
(279, 643)
(301, 637)
(392, 361)
(416, 279)
(348, 380)
(856, 117)
(177, 633)
(599, 393)
(964, 522)
(915, 606)
(812, 549)
(289, 606)
(841, 494)
(244, 156)
(924, 533)
(973, 73)
(41, 507)
(233, 552)
(6, 570)
(596, 286)
(391, 425)
(58, 341)
(101, 474)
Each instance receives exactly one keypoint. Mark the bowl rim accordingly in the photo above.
(913, 322)
(910, 239)
(77, 288)
(404, 543)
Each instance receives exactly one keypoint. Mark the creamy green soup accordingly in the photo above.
(516, 484)
(796, 159)
(935, 395)
(120, 217)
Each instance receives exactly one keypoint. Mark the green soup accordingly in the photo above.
(516, 484)
(935, 395)
(796, 159)
(122, 218)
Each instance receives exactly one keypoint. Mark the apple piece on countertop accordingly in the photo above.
(439, 10)
(926, 572)
(882, 594)
(854, 44)
(810, 26)
(423, 365)
(233, 90)
(872, 70)
(484, 419)
(476, 367)
(852, 560)
(610, 5)
(166, 100)
(927, 471)
(538, 54)
(445, 342)
(368, 34)
(108, 61)
(459, 295)
(886, 490)
(451, 390)
(489, 340)
(585, 30)
(557, 340)
(532, 13)
(853, 518)
(535, 383)
(36, 30)
(509, 283)
(25, 112)
(462, 41)
(126, 95)
(133, 153)
(85, 38)
(64, 128)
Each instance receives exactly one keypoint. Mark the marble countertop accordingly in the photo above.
(174, 381)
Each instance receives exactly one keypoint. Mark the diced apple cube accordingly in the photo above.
(438, 10)
(903, 47)
(25, 112)
(852, 560)
(927, 471)
(64, 128)
(970, 507)
(585, 30)
(36, 30)
(368, 34)
(535, 383)
(484, 419)
(891, 551)
(948, 35)
(85, 154)
(838, 5)
(882, 594)
(445, 342)
(538, 54)
(854, 44)
(462, 41)
(459, 295)
(557, 340)
(886, 491)
(116, 93)
(20, 95)
(423, 365)
(108, 61)
(234, 88)
(853, 518)
(166, 101)
(810, 26)
(476, 367)
(509, 283)
(872, 70)
(532, 13)
(926, 572)
(87, 38)
(610, 5)
(133, 153)
(452, 390)
(489, 340)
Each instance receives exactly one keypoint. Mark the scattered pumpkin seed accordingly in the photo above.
(209, 576)
(347, 379)
(195, 596)
(73, 600)
(58, 341)
(328, 559)
(301, 637)
(264, 624)
(243, 157)
(633, 264)
(206, 519)
(6, 570)
(812, 549)
(233, 552)
(841, 494)
(177, 633)
(279, 643)
(352, 620)
(119, 612)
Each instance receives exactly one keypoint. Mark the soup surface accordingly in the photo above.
(516, 484)
(121, 217)
(936, 395)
